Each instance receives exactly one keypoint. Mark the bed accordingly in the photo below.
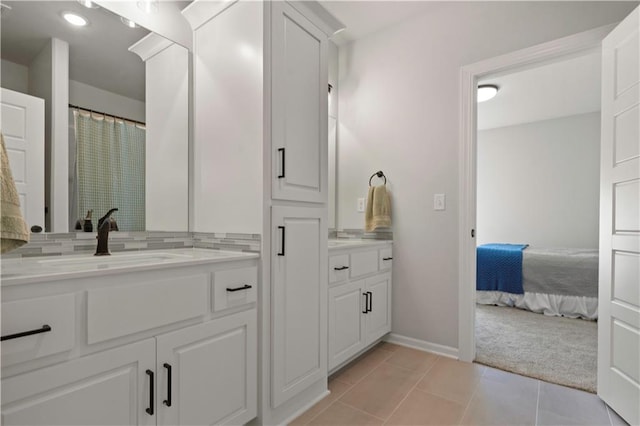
(552, 281)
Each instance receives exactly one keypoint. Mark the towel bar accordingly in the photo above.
(380, 175)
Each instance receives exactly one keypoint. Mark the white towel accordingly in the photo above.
(13, 229)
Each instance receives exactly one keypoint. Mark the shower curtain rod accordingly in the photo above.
(107, 115)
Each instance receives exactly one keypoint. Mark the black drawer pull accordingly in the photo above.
(281, 253)
(340, 268)
(167, 401)
(370, 299)
(366, 302)
(45, 328)
(244, 287)
(151, 396)
(280, 176)
(387, 258)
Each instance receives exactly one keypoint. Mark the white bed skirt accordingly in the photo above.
(548, 304)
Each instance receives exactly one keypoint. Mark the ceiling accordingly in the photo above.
(98, 53)
(559, 89)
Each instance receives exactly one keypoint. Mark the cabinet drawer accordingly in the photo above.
(338, 268)
(58, 312)
(234, 287)
(117, 311)
(385, 259)
(363, 262)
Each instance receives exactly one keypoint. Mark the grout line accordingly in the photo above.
(361, 410)
(412, 389)
(538, 402)
(473, 394)
(327, 407)
(608, 413)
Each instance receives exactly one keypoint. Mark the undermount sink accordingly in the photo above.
(116, 259)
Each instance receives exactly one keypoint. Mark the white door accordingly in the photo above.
(207, 374)
(113, 387)
(23, 130)
(299, 301)
(346, 321)
(379, 309)
(619, 291)
(299, 106)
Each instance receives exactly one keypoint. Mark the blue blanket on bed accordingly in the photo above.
(499, 267)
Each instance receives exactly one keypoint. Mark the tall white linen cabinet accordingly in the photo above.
(259, 162)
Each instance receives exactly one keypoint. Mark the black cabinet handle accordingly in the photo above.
(280, 176)
(340, 268)
(151, 396)
(167, 401)
(370, 300)
(387, 258)
(45, 328)
(366, 301)
(282, 241)
(244, 287)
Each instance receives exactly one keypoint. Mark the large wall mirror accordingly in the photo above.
(121, 92)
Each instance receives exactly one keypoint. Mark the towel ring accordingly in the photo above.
(380, 175)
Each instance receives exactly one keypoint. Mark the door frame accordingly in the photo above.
(573, 45)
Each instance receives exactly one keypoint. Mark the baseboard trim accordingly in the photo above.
(422, 345)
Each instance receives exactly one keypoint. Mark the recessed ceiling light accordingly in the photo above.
(75, 19)
(486, 92)
(88, 4)
(128, 22)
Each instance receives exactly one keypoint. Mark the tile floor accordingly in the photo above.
(395, 385)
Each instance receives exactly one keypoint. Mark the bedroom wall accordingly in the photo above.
(399, 112)
(538, 183)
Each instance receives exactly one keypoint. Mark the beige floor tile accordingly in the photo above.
(546, 418)
(358, 369)
(509, 401)
(421, 408)
(337, 389)
(412, 359)
(573, 404)
(451, 379)
(391, 347)
(381, 391)
(509, 378)
(340, 414)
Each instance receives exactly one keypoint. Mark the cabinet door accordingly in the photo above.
(213, 371)
(379, 317)
(346, 321)
(299, 106)
(299, 300)
(107, 388)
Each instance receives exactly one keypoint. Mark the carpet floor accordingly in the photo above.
(554, 349)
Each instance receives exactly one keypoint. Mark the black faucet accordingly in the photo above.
(104, 225)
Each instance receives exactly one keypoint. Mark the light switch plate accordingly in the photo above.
(439, 202)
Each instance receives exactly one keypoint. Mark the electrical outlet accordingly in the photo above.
(438, 202)
(360, 205)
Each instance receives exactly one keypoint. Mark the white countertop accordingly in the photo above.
(347, 243)
(29, 270)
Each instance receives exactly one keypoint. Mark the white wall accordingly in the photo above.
(399, 112)
(538, 183)
(14, 76)
(167, 139)
(86, 96)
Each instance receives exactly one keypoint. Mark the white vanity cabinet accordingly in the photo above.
(299, 99)
(162, 357)
(359, 305)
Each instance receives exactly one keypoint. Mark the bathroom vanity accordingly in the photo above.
(359, 297)
(143, 338)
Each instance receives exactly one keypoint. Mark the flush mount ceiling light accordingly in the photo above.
(486, 92)
(75, 19)
(88, 4)
(129, 23)
(148, 6)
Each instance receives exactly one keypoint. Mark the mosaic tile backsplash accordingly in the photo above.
(56, 244)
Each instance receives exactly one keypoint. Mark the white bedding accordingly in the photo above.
(548, 304)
